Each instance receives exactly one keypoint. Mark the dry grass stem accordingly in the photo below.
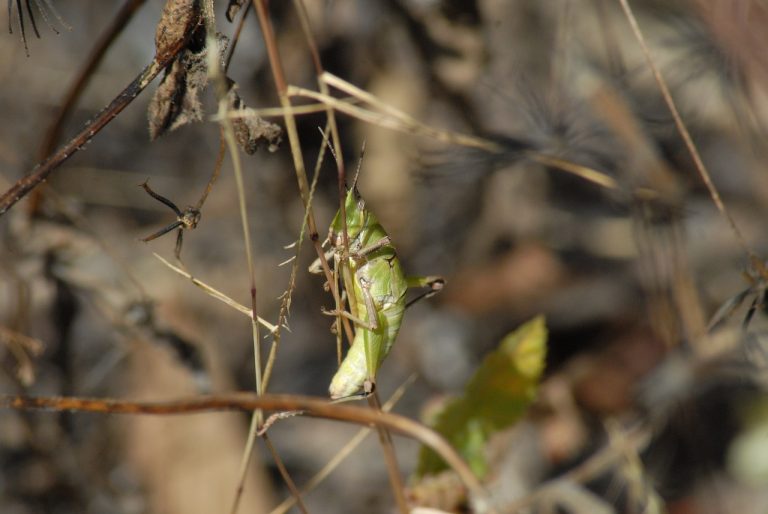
(217, 294)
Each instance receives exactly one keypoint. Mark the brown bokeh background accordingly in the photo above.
(624, 283)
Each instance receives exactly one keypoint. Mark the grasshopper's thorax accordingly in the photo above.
(355, 218)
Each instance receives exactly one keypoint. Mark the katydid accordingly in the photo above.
(375, 286)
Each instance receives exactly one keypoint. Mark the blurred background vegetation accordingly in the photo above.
(628, 280)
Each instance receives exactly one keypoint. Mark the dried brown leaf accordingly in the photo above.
(233, 8)
(24, 349)
(443, 491)
(251, 131)
(176, 101)
(177, 21)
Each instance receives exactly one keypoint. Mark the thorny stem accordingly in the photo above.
(384, 436)
(285, 305)
(683, 130)
(339, 158)
(293, 137)
(319, 71)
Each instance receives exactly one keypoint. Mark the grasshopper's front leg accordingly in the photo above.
(316, 268)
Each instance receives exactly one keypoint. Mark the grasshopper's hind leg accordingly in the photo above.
(370, 307)
(433, 283)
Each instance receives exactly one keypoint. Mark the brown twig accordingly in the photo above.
(236, 37)
(164, 56)
(53, 133)
(119, 22)
(248, 402)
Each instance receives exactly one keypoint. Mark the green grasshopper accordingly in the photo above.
(375, 286)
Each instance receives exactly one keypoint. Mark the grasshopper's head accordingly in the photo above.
(354, 206)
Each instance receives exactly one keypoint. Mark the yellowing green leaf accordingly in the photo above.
(495, 398)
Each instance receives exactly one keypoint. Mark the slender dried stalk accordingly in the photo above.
(217, 294)
(331, 116)
(393, 471)
(684, 133)
(283, 473)
(115, 28)
(285, 305)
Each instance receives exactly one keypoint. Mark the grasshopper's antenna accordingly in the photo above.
(333, 152)
(359, 166)
(327, 141)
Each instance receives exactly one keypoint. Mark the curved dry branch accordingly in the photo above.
(315, 407)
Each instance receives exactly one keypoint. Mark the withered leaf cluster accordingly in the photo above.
(176, 23)
(177, 100)
(251, 130)
(233, 8)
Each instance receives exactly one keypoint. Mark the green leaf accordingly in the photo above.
(496, 397)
